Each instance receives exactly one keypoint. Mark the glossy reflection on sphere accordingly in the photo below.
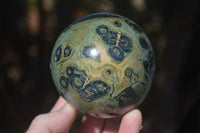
(103, 64)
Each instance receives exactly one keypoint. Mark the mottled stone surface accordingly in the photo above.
(103, 64)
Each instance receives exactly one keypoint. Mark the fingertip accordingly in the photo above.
(56, 122)
(134, 114)
(64, 118)
(133, 117)
(59, 103)
(131, 122)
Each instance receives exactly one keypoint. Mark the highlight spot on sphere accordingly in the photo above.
(90, 52)
(94, 52)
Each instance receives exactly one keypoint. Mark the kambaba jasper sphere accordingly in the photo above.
(103, 64)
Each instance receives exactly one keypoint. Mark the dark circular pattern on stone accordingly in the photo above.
(108, 71)
(143, 44)
(58, 53)
(109, 37)
(117, 23)
(64, 82)
(125, 43)
(89, 93)
(102, 30)
(70, 71)
(128, 72)
(67, 51)
(116, 53)
(78, 81)
(95, 90)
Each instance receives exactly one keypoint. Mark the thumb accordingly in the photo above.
(56, 122)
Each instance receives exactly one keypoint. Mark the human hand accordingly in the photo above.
(62, 116)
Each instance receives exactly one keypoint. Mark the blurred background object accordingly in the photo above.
(28, 31)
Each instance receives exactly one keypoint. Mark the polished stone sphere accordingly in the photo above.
(103, 64)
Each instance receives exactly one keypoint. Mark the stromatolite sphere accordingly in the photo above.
(103, 64)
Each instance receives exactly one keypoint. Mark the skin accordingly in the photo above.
(62, 116)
